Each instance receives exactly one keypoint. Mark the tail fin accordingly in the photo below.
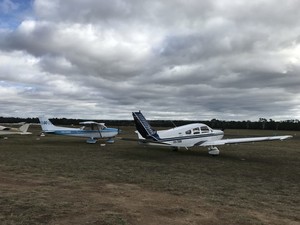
(24, 128)
(46, 124)
(143, 127)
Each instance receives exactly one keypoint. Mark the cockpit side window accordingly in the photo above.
(90, 127)
(196, 130)
(188, 132)
(204, 129)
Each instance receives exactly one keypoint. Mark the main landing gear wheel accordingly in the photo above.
(91, 141)
(214, 151)
(110, 141)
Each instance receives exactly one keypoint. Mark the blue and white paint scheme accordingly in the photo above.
(92, 130)
(190, 135)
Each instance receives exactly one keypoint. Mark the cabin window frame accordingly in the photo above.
(188, 132)
(196, 130)
(205, 130)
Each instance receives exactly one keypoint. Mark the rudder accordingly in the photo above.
(46, 124)
(24, 127)
(143, 127)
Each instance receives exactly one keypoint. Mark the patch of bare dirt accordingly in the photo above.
(148, 207)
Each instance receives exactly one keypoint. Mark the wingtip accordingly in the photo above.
(286, 137)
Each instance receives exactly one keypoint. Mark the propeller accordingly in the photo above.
(119, 130)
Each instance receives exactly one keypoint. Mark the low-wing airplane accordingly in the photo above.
(92, 130)
(12, 130)
(190, 135)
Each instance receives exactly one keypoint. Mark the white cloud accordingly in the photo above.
(177, 59)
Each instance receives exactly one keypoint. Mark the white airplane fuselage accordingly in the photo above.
(93, 131)
(104, 133)
(195, 134)
(187, 135)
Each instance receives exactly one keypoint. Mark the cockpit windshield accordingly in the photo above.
(204, 129)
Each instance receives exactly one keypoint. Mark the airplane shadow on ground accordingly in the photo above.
(225, 155)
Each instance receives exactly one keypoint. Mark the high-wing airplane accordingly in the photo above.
(190, 135)
(92, 130)
(12, 130)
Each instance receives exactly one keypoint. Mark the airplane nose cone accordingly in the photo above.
(117, 131)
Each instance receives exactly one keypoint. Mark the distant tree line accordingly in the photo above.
(261, 124)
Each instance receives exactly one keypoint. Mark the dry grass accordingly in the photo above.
(58, 180)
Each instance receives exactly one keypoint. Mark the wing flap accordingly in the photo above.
(144, 141)
(91, 123)
(244, 140)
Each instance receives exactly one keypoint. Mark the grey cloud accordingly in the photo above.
(81, 11)
(119, 11)
(35, 38)
(269, 13)
(41, 41)
(172, 59)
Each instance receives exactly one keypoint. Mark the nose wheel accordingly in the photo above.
(110, 141)
(214, 151)
(91, 141)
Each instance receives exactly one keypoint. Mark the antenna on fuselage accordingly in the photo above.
(173, 123)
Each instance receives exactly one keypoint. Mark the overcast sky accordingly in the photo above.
(172, 59)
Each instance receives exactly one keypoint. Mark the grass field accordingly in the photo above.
(61, 180)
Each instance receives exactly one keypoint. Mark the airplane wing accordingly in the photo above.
(244, 140)
(145, 141)
(101, 125)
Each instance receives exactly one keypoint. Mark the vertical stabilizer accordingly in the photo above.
(46, 124)
(143, 127)
(24, 128)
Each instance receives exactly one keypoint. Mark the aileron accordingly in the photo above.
(244, 140)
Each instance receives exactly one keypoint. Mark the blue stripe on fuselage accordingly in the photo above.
(66, 132)
(189, 137)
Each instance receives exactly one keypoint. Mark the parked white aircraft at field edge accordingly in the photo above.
(196, 134)
(11, 130)
(92, 131)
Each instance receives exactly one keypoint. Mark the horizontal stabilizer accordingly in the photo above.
(145, 141)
